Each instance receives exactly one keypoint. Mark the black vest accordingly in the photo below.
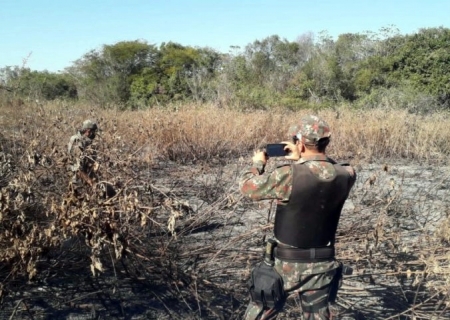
(311, 216)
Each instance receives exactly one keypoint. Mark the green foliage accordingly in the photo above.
(423, 61)
(144, 88)
(176, 65)
(295, 104)
(314, 72)
(371, 74)
(396, 98)
(178, 73)
(105, 76)
(272, 61)
(25, 83)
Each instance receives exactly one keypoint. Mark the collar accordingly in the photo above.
(318, 157)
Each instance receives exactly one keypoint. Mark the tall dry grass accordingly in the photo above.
(203, 132)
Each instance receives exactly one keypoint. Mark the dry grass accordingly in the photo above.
(192, 132)
(147, 228)
(395, 236)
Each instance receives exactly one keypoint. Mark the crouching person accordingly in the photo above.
(310, 194)
(84, 160)
(82, 154)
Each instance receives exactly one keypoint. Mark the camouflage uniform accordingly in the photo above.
(82, 152)
(299, 278)
(6, 168)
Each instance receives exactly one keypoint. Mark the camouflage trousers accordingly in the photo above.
(304, 280)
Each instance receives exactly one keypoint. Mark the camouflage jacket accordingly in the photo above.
(277, 185)
(82, 153)
(6, 168)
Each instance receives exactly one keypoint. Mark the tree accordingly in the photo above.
(105, 76)
(423, 61)
(178, 73)
(25, 83)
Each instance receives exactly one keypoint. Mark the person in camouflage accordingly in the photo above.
(82, 154)
(310, 279)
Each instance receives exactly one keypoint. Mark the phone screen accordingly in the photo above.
(276, 150)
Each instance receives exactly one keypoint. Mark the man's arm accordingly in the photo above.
(259, 186)
(70, 145)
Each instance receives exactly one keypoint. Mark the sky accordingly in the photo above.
(52, 34)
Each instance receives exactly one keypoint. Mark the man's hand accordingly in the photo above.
(292, 150)
(259, 156)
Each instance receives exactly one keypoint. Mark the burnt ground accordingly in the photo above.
(200, 270)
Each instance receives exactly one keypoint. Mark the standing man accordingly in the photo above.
(310, 194)
(83, 156)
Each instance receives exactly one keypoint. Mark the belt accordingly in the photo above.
(303, 255)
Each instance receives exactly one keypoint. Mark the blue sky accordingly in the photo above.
(54, 33)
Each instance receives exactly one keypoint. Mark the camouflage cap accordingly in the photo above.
(311, 128)
(89, 124)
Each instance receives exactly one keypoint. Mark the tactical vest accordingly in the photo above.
(311, 216)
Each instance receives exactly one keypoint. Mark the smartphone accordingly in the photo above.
(276, 150)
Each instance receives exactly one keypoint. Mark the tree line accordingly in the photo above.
(312, 71)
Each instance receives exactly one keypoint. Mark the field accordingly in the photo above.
(178, 241)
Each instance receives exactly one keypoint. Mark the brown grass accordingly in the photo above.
(192, 132)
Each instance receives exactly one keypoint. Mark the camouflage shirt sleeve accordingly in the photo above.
(70, 144)
(258, 185)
